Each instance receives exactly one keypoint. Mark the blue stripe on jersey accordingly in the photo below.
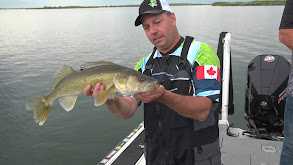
(207, 87)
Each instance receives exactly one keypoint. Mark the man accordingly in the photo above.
(286, 37)
(180, 118)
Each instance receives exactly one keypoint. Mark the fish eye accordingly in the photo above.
(141, 79)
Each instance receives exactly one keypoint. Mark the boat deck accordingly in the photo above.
(245, 150)
(240, 149)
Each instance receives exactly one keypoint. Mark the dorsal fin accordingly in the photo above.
(60, 74)
(88, 65)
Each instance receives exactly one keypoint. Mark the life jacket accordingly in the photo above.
(172, 139)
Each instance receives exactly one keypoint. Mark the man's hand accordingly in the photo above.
(87, 90)
(151, 96)
(189, 106)
(122, 107)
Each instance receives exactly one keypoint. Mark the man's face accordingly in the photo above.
(161, 30)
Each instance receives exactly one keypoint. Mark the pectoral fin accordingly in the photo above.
(104, 95)
(67, 102)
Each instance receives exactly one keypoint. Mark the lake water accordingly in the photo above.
(35, 43)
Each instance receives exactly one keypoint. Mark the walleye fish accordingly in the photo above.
(68, 83)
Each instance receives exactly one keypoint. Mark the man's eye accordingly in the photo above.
(157, 22)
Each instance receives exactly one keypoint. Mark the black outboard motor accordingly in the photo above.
(267, 78)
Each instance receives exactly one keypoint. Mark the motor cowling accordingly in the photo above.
(265, 96)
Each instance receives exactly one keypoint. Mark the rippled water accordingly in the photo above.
(35, 43)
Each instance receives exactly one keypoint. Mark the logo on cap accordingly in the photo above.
(153, 3)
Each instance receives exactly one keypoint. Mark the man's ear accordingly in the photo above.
(173, 17)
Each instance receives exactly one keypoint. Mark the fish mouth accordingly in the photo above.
(151, 85)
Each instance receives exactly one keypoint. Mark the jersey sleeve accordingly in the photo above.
(207, 73)
(140, 65)
(287, 18)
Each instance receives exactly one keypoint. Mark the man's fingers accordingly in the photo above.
(98, 87)
(87, 90)
(150, 96)
(102, 87)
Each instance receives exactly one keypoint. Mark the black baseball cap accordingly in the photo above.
(152, 7)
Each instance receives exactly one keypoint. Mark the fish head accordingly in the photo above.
(134, 82)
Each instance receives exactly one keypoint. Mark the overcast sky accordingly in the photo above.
(42, 3)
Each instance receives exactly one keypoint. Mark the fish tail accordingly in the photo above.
(41, 107)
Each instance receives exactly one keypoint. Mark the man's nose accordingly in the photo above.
(153, 30)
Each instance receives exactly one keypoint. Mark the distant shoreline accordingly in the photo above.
(73, 7)
(64, 7)
(251, 3)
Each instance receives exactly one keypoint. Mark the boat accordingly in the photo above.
(261, 143)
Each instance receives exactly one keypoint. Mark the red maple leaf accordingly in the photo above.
(211, 71)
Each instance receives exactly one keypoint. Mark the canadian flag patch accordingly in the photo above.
(208, 72)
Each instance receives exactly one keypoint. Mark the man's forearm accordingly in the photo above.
(192, 107)
(286, 37)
